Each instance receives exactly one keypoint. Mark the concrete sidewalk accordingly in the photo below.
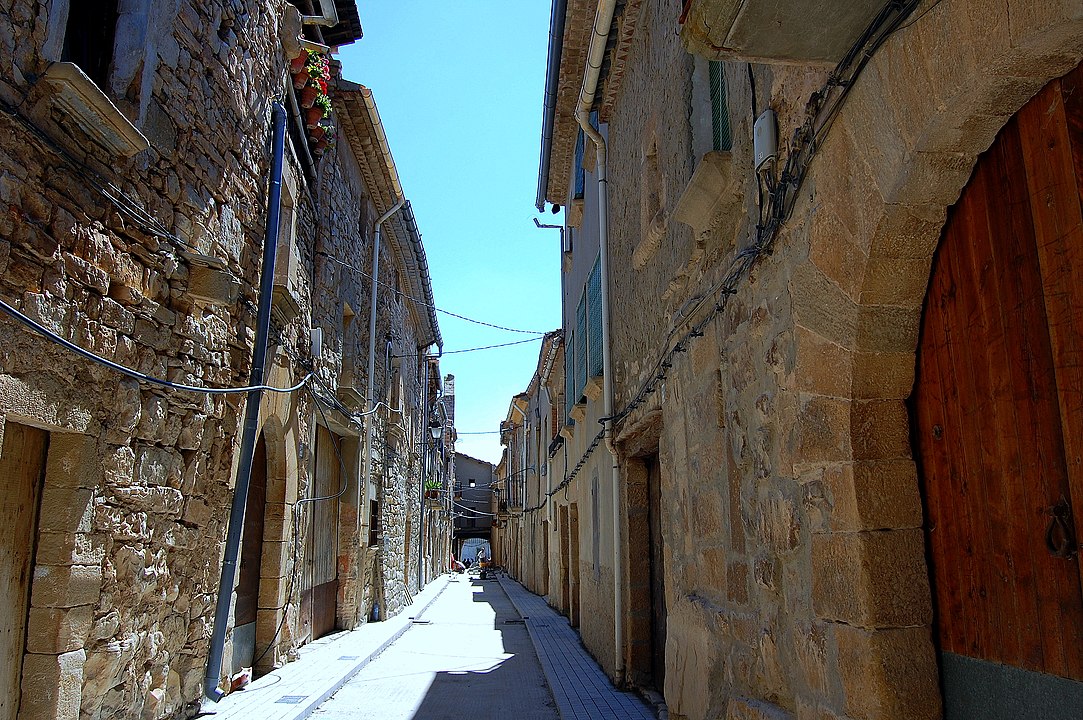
(293, 691)
(581, 689)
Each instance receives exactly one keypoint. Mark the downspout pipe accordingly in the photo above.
(603, 20)
(370, 416)
(424, 470)
(251, 410)
(552, 85)
(369, 404)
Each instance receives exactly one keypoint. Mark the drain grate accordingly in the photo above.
(348, 657)
(291, 699)
(515, 622)
(421, 622)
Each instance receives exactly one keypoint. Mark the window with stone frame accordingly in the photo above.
(89, 37)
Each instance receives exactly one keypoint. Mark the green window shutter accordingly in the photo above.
(594, 320)
(569, 381)
(720, 113)
(581, 347)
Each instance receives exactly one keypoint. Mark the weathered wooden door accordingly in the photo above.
(998, 420)
(320, 598)
(22, 470)
(244, 633)
(657, 573)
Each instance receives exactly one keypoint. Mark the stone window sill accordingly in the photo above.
(72, 94)
(710, 189)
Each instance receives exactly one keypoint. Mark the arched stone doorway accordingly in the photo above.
(929, 103)
(998, 421)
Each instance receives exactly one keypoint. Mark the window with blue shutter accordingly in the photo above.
(581, 347)
(594, 320)
(569, 379)
(580, 174)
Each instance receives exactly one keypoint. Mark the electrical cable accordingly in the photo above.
(126, 205)
(423, 303)
(135, 374)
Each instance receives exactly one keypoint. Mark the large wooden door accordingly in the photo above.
(22, 470)
(656, 562)
(320, 598)
(998, 421)
(244, 633)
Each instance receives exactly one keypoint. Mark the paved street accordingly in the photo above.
(470, 656)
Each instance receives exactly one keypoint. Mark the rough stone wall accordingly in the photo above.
(139, 477)
(796, 584)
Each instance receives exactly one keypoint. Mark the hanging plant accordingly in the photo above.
(309, 95)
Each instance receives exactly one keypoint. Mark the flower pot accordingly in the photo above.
(315, 134)
(308, 95)
(300, 79)
(321, 146)
(298, 63)
(313, 115)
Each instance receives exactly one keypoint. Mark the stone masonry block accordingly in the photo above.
(66, 509)
(65, 586)
(871, 579)
(833, 250)
(878, 495)
(52, 631)
(888, 674)
(907, 231)
(822, 306)
(52, 686)
(896, 281)
(68, 549)
(822, 431)
(72, 461)
(883, 375)
(879, 429)
(882, 328)
(823, 367)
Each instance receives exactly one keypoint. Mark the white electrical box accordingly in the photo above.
(317, 343)
(765, 138)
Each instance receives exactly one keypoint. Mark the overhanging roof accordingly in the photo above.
(361, 127)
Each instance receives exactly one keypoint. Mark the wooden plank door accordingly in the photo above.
(656, 562)
(22, 468)
(244, 632)
(998, 418)
(321, 552)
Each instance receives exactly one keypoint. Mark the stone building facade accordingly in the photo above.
(767, 548)
(134, 175)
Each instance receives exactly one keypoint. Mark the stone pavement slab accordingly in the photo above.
(470, 658)
(582, 690)
(293, 691)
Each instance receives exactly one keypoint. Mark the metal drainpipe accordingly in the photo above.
(251, 411)
(370, 405)
(603, 19)
(370, 416)
(424, 471)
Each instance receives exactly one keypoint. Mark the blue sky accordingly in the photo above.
(459, 87)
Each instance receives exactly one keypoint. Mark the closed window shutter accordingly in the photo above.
(580, 174)
(720, 112)
(569, 383)
(594, 320)
(581, 347)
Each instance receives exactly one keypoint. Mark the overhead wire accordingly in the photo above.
(423, 303)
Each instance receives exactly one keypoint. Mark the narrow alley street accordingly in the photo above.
(471, 655)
